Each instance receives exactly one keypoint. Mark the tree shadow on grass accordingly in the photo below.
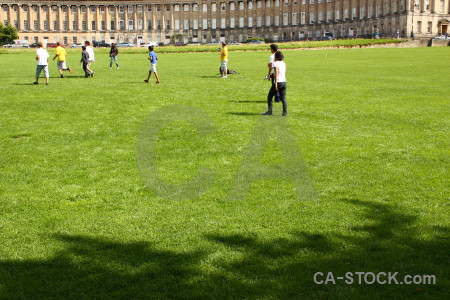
(243, 266)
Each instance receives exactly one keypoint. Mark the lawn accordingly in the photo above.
(114, 188)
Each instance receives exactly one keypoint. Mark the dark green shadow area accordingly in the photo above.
(254, 266)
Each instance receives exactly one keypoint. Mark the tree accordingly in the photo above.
(7, 34)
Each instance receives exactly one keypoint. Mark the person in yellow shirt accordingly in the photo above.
(61, 55)
(223, 60)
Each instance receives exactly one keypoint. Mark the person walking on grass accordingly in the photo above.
(279, 85)
(113, 52)
(223, 60)
(85, 61)
(42, 63)
(61, 54)
(270, 73)
(153, 60)
(90, 51)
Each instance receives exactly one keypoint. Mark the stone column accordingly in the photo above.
(30, 18)
(69, 18)
(60, 19)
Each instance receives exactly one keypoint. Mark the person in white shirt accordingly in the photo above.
(90, 51)
(279, 84)
(42, 63)
(270, 76)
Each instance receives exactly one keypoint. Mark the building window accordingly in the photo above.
(258, 21)
(268, 3)
(36, 25)
(223, 23)
(213, 7)
(121, 25)
(149, 8)
(65, 40)
(286, 2)
(103, 25)
(250, 5)
(6, 22)
(277, 21)
(241, 22)
(139, 8)
(15, 7)
(195, 7)
(241, 6)
(84, 25)
(74, 40)
(102, 9)
(213, 23)
(158, 7)
(73, 8)
(55, 25)
(303, 17)
(232, 6)
(205, 7)
(44, 8)
(419, 26)
(250, 22)
(36, 39)
(74, 25)
(64, 8)
(45, 25)
(121, 8)
(112, 25)
(205, 24)
(92, 9)
(55, 8)
(130, 8)
(285, 20)
(93, 25)
(149, 25)
(65, 26)
(25, 25)
(223, 7)
(267, 21)
(167, 7)
(186, 7)
(294, 18)
(232, 23)
(140, 24)
(111, 9)
(35, 8)
(83, 9)
(430, 26)
(130, 24)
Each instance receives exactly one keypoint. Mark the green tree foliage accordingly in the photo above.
(7, 34)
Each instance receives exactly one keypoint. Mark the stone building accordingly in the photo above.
(204, 21)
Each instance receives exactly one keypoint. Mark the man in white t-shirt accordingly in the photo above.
(90, 51)
(273, 49)
(42, 63)
(279, 85)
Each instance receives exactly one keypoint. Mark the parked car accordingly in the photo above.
(178, 44)
(441, 37)
(194, 44)
(213, 43)
(125, 44)
(255, 42)
(77, 45)
(34, 45)
(52, 45)
(149, 44)
(101, 44)
(16, 46)
(233, 43)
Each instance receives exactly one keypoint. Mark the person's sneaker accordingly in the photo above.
(70, 70)
(35, 82)
(62, 76)
(145, 80)
(92, 74)
(284, 114)
(46, 83)
(267, 113)
(157, 82)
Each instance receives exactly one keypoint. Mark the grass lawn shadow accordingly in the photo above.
(94, 267)
(247, 101)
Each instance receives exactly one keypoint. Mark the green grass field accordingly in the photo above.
(77, 219)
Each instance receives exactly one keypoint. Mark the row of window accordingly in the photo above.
(186, 24)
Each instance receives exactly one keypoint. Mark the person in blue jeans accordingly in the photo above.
(153, 60)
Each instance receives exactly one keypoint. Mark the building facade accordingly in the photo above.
(202, 21)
